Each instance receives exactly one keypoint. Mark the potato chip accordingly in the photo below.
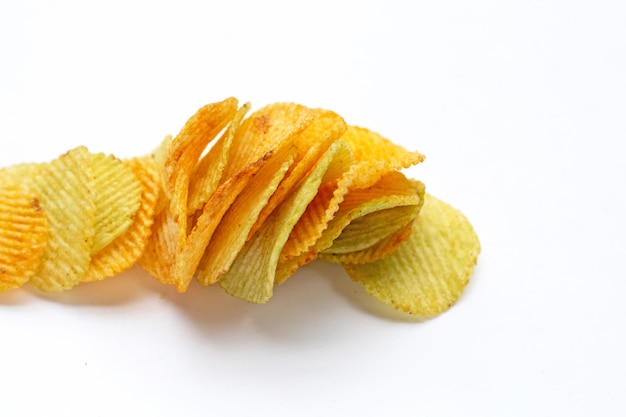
(65, 190)
(213, 211)
(251, 276)
(123, 252)
(23, 236)
(374, 156)
(372, 253)
(391, 192)
(117, 193)
(20, 175)
(207, 174)
(326, 127)
(232, 232)
(427, 273)
(180, 157)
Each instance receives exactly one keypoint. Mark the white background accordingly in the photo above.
(520, 108)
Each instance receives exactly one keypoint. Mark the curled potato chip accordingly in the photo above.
(428, 272)
(23, 236)
(64, 188)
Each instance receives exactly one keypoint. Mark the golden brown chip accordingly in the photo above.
(117, 193)
(126, 249)
(180, 156)
(427, 273)
(65, 190)
(207, 174)
(23, 236)
(232, 232)
(326, 127)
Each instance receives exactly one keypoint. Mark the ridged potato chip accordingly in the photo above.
(23, 236)
(232, 232)
(251, 276)
(123, 252)
(392, 192)
(428, 272)
(117, 193)
(64, 188)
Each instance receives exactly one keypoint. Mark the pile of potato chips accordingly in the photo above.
(242, 202)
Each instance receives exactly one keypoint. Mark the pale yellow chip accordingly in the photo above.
(426, 274)
(123, 252)
(117, 193)
(23, 236)
(64, 188)
(251, 276)
(20, 175)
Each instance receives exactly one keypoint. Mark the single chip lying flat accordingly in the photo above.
(117, 193)
(23, 236)
(251, 276)
(65, 190)
(127, 248)
(428, 272)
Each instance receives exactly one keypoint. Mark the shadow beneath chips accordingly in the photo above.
(123, 288)
(356, 295)
(299, 304)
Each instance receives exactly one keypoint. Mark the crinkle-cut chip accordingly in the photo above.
(370, 146)
(207, 174)
(270, 128)
(185, 150)
(325, 129)
(373, 253)
(391, 192)
(377, 157)
(251, 276)
(232, 232)
(370, 229)
(125, 250)
(180, 156)
(212, 213)
(23, 236)
(65, 190)
(117, 193)
(426, 274)
(176, 266)
(20, 175)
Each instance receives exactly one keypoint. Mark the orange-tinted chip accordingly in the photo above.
(23, 236)
(126, 249)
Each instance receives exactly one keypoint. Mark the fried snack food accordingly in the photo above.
(243, 202)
